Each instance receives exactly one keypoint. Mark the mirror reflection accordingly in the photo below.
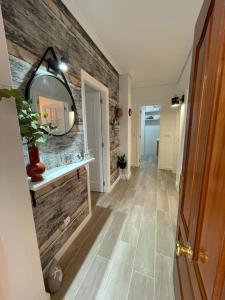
(53, 101)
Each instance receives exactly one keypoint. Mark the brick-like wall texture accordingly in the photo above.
(31, 27)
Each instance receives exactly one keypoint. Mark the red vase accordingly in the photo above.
(35, 168)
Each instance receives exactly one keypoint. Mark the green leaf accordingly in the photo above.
(30, 127)
(45, 115)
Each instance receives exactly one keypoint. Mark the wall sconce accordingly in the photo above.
(63, 64)
(176, 101)
(55, 66)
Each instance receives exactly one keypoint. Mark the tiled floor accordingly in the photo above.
(126, 251)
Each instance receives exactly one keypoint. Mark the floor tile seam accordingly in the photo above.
(135, 253)
(85, 275)
(144, 274)
(91, 263)
(155, 254)
(162, 254)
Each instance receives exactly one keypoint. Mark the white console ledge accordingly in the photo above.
(56, 173)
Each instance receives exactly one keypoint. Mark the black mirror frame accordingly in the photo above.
(64, 82)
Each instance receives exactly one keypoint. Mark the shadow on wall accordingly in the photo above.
(4, 282)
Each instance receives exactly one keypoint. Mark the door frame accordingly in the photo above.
(94, 83)
(139, 109)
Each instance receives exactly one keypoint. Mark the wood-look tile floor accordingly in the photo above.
(126, 250)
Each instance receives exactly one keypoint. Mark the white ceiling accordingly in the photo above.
(150, 39)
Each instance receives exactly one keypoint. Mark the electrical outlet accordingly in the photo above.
(67, 221)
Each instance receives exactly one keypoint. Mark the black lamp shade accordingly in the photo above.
(175, 101)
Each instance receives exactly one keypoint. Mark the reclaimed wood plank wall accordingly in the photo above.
(68, 196)
(31, 27)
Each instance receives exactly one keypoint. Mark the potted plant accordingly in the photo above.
(121, 161)
(32, 131)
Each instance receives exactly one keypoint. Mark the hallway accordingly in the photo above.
(126, 251)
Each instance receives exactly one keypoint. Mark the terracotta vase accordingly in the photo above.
(35, 168)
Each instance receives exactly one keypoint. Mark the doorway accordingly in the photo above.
(95, 102)
(150, 132)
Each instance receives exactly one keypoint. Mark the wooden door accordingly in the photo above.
(200, 267)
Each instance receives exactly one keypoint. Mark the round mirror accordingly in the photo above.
(53, 101)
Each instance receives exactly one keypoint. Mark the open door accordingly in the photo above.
(199, 269)
(95, 139)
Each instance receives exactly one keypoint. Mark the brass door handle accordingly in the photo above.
(180, 250)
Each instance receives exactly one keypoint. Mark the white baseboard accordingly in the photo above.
(114, 183)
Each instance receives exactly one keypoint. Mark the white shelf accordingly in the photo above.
(56, 173)
(155, 118)
(152, 112)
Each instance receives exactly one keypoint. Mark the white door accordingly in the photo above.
(94, 138)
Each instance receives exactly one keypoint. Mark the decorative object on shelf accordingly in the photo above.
(130, 112)
(31, 131)
(118, 112)
(79, 156)
(121, 161)
(35, 168)
(55, 277)
(50, 92)
(176, 101)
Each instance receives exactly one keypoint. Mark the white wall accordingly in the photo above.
(20, 275)
(183, 88)
(172, 122)
(168, 139)
(125, 120)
